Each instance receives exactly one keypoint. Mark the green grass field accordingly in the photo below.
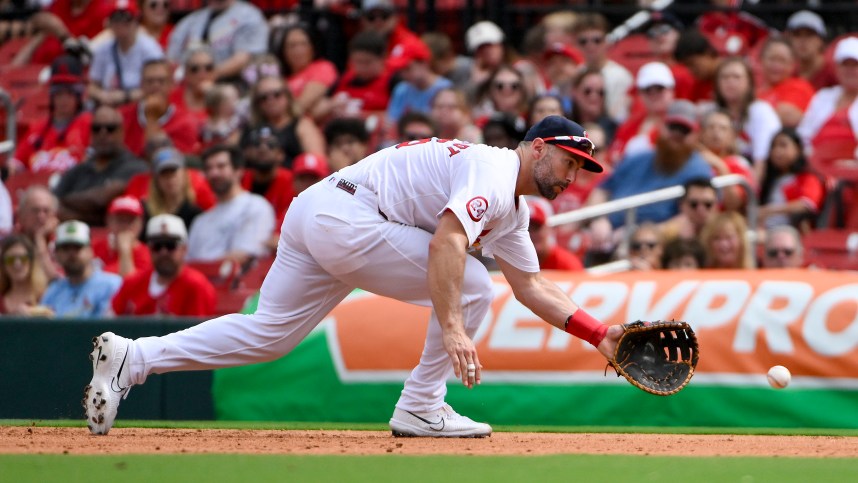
(213, 468)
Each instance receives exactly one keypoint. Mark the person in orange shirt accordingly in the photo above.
(779, 86)
(551, 255)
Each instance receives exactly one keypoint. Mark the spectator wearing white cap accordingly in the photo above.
(829, 128)
(655, 91)
(121, 252)
(484, 41)
(85, 291)
(591, 30)
(168, 286)
(806, 32)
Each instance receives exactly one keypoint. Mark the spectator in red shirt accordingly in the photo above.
(380, 16)
(154, 116)
(663, 31)
(551, 255)
(695, 52)
(806, 32)
(790, 193)
(308, 76)
(718, 147)
(198, 78)
(733, 31)
(264, 173)
(120, 251)
(59, 141)
(58, 24)
(169, 287)
(366, 85)
(308, 170)
(780, 87)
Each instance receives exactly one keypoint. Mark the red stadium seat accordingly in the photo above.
(20, 181)
(221, 273)
(231, 301)
(632, 52)
(834, 249)
(253, 277)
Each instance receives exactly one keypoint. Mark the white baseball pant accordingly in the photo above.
(331, 241)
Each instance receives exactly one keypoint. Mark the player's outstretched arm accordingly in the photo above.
(554, 306)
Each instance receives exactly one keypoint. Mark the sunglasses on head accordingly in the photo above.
(580, 143)
(10, 260)
(582, 41)
(774, 252)
(637, 245)
(195, 68)
(500, 85)
(706, 204)
(158, 245)
(377, 15)
(109, 128)
(264, 96)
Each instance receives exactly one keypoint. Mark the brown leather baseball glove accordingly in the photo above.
(658, 357)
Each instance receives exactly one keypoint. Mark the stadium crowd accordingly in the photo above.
(155, 162)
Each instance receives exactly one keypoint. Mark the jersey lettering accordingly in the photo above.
(454, 150)
(416, 142)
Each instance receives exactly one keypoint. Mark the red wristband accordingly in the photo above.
(584, 326)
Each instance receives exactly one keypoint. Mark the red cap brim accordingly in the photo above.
(590, 163)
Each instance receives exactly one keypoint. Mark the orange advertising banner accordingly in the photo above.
(746, 321)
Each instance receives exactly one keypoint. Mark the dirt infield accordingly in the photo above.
(39, 440)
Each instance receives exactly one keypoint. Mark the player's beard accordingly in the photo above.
(545, 178)
(670, 158)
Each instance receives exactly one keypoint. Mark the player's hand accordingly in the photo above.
(608, 346)
(463, 355)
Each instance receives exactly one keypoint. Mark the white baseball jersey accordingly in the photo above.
(417, 181)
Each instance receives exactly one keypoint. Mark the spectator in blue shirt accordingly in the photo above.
(418, 86)
(84, 292)
(675, 161)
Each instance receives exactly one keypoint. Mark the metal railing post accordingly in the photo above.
(8, 146)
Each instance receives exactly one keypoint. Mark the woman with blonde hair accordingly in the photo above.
(170, 188)
(272, 105)
(725, 238)
(22, 282)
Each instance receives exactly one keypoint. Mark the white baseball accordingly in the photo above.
(779, 377)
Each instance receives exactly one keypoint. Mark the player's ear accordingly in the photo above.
(539, 147)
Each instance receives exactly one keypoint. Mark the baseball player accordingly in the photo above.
(399, 224)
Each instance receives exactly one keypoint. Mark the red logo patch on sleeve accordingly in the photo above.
(477, 207)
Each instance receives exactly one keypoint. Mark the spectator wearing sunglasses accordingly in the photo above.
(588, 104)
(502, 93)
(58, 141)
(155, 20)
(232, 29)
(591, 30)
(22, 280)
(673, 161)
(169, 287)
(114, 76)
(197, 79)
(380, 16)
(719, 147)
(413, 126)
(264, 173)
(154, 116)
(697, 206)
(86, 190)
(85, 291)
(645, 248)
(783, 248)
(662, 32)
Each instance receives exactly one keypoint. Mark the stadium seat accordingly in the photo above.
(230, 300)
(253, 277)
(221, 273)
(632, 52)
(17, 183)
(833, 249)
(10, 49)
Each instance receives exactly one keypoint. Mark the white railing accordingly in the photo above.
(631, 203)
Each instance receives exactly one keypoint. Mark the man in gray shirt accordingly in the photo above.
(232, 29)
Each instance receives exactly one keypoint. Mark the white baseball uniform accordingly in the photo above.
(368, 226)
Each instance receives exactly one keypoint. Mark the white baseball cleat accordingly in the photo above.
(102, 395)
(440, 423)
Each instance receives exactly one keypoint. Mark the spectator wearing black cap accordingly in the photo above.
(86, 190)
(591, 30)
(264, 173)
(114, 76)
(806, 32)
(59, 141)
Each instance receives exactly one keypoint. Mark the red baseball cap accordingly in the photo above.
(309, 163)
(568, 135)
(129, 6)
(559, 48)
(412, 50)
(128, 205)
(538, 213)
